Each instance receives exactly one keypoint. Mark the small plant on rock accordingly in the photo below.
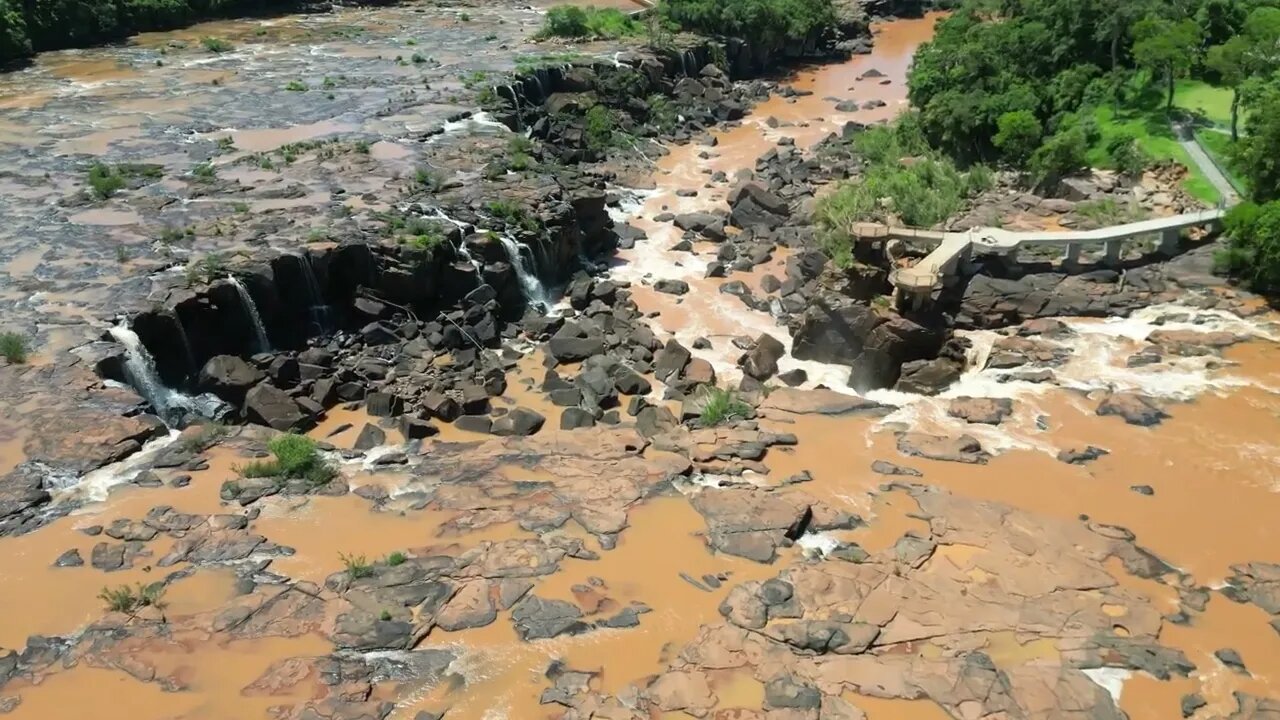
(104, 181)
(296, 457)
(396, 558)
(13, 347)
(357, 566)
(132, 599)
(721, 405)
(296, 86)
(204, 171)
(216, 44)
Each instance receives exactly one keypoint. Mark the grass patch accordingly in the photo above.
(131, 599)
(204, 171)
(396, 558)
(1144, 118)
(13, 347)
(572, 21)
(720, 406)
(296, 86)
(1208, 101)
(216, 45)
(296, 457)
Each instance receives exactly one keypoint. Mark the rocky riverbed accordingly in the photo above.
(1050, 497)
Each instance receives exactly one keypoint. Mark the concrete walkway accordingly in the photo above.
(925, 275)
(1187, 138)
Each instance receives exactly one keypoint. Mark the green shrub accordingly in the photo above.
(296, 86)
(428, 178)
(216, 44)
(1018, 135)
(206, 269)
(104, 181)
(767, 24)
(1253, 245)
(204, 171)
(720, 406)
(295, 457)
(1126, 153)
(572, 21)
(600, 128)
(1060, 155)
(13, 347)
(902, 183)
(396, 558)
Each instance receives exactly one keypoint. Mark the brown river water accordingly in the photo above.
(1213, 467)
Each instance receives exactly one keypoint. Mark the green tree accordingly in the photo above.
(13, 31)
(1167, 48)
(1253, 54)
(1018, 135)
(1256, 156)
(1060, 155)
(1253, 245)
(1117, 20)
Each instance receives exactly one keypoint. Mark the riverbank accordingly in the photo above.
(827, 555)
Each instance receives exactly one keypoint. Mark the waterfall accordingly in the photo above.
(171, 405)
(317, 308)
(259, 331)
(515, 100)
(526, 270)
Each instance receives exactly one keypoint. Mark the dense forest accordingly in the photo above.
(31, 26)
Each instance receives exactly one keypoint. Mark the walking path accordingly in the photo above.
(1207, 166)
(920, 279)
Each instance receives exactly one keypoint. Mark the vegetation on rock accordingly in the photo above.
(574, 21)
(13, 347)
(296, 457)
(767, 24)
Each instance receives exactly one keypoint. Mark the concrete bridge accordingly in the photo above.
(919, 280)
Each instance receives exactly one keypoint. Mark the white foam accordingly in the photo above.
(819, 544)
(1109, 679)
(96, 485)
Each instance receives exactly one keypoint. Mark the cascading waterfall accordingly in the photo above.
(526, 270)
(172, 406)
(259, 330)
(515, 100)
(438, 214)
(320, 312)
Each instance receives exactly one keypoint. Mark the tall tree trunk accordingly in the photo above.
(1235, 113)
(1115, 47)
(1168, 103)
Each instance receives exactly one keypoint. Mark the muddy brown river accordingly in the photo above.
(1019, 578)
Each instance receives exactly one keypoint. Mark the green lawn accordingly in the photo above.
(1201, 98)
(1151, 127)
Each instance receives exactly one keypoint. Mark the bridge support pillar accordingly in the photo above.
(1169, 242)
(1072, 256)
(1113, 251)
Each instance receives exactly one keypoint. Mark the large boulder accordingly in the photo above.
(833, 333)
(762, 362)
(928, 377)
(229, 377)
(268, 405)
(755, 207)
